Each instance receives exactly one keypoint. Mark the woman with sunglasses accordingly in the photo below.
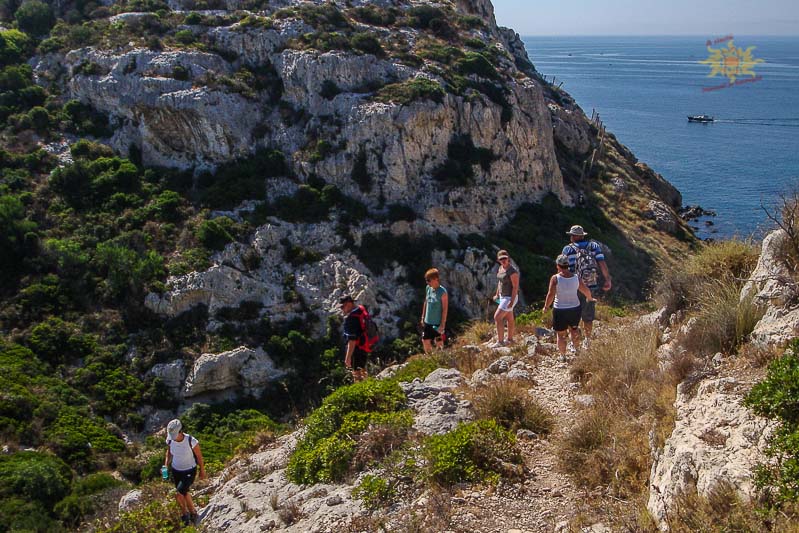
(506, 296)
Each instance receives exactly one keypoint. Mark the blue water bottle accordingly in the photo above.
(164, 472)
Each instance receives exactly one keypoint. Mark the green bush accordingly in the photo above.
(56, 341)
(16, 234)
(473, 452)
(76, 437)
(14, 45)
(475, 63)
(375, 15)
(241, 180)
(409, 91)
(184, 37)
(127, 272)
(34, 476)
(22, 514)
(374, 491)
(777, 398)
(418, 367)
(326, 450)
(35, 17)
(215, 233)
(367, 43)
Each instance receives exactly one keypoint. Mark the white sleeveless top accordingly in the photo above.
(182, 455)
(566, 294)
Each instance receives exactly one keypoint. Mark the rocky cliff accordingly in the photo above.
(429, 110)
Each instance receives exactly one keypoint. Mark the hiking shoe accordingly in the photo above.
(195, 518)
(509, 342)
(497, 344)
(585, 344)
(571, 350)
(185, 519)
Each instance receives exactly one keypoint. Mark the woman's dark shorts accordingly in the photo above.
(430, 332)
(183, 479)
(359, 358)
(563, 319)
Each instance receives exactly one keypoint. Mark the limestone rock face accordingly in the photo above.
(172, 375)
(242, 370)
(715, 440)
(772, 286)
(180, 110)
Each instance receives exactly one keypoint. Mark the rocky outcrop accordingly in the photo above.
(242, 371)
(437, 408)
(715, 440)
(773, 287)
(664, 217)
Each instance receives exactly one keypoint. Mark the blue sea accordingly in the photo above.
(644, 88)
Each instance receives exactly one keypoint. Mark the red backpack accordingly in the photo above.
(370, 335)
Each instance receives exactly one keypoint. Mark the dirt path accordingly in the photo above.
(546, 499)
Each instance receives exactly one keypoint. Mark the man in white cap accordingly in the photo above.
(183, 454)
(585, 260)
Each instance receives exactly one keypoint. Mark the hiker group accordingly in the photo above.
(571, 294)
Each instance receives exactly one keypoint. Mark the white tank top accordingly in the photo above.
(182, 454)
(566, 293)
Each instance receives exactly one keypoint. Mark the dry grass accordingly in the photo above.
(468, 361)
(724, 320)
(729, 261)
(758, 356)
(609, 445)
(478, 332)
(724, 510)
(510, 404)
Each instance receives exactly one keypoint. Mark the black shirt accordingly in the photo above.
(352, 325)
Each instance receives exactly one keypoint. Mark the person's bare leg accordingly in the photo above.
(575, 334)
(561, 342)
(511, 326)
(498, 319)
(190, 504)
(427, 345)
(181, 502)
(588, 326)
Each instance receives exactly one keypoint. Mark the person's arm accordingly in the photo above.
(167, 457)
(553, 281)
(583, 288)
(198, 453)
(603, 267)
(424, 310)
(514, 279)
(444, 307)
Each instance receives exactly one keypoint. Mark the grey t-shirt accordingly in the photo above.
(505, 284)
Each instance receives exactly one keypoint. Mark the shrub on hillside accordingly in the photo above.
(329, 445)
(777, 398)
(35, 17)
(215, 233)
(34, 476)
(405, 92)
(472, 452)
(241, 180)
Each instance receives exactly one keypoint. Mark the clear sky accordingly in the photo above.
(706, 18)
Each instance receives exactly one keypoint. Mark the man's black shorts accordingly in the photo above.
(183, 479)
(359, 358)
(430, 332)
(562, 319)
(589, 308)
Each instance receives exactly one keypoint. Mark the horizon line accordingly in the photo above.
(703, 36)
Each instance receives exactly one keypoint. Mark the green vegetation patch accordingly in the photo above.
(777, 398)
(329, 445)
(477, 451)
(462, 155)
(405, 92)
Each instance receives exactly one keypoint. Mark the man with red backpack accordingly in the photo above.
(360, 334)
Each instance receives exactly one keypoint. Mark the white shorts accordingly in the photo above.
(505, 303)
